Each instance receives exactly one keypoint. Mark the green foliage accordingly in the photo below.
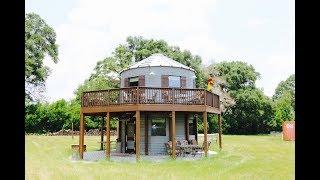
(287, 86)
(237, 74)
(40, 40)
(136, 49)
(251, 114)
(283, 111)
(45, 117)
(96, 83)
(252, 111)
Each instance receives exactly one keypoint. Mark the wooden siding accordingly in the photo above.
(180, 129)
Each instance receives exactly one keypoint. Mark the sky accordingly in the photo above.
(260, 33)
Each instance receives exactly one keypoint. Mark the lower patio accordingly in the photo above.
(125, 157)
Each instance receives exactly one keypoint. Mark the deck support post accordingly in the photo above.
(81, 135)
(138, 135)
(186, 126)
(108, 136)
(146, 136)
(195, 126)
(101, 134)
(205, 135)
(173, 128)
(220, 131)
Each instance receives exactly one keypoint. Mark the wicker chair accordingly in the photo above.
(168, 146)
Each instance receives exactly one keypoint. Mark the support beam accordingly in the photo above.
(220, 131)
(81, 136)
(146, 134)
(101, 133)
(173, 128)
(108, 136)
(186, 126)
(138, 120)
(195, 126)
(205, 135)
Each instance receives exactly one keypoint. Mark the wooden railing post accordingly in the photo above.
(138, 95)
(173, 95)
(108, 97)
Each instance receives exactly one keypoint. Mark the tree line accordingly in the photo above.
(246, 110)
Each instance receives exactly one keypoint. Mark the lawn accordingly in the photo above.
(242, 157)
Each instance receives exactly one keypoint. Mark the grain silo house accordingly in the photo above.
(157, 103)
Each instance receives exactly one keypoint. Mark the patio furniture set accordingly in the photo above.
(185, 147)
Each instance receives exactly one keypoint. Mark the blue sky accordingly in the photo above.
(260, 33)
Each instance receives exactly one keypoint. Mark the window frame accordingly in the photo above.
(134, 81)
(158, 118)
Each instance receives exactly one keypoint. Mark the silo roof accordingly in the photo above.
(158, 60)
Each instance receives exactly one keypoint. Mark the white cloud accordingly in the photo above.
(258, 22)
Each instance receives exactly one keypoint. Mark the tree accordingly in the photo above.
(283, 111)
(237, 74)
(251, 114)
(252, 111)
(287, 86)
(136, 49)
(96, 83)
(40, 40)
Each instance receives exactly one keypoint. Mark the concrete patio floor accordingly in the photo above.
(122, 157)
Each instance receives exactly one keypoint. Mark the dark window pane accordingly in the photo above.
(158, 126)
(191, 129)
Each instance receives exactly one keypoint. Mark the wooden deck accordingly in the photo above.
(149, 99)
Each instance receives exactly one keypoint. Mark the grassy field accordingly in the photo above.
(242, 157)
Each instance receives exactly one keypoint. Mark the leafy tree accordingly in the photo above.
(95, 83)
(136, 49)
(237, 74)
(57, 115)
(251, 114)
(283, 111)
(252, 111)
(287, 86)
(40, 40)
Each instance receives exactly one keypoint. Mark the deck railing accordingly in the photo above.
(149, 95)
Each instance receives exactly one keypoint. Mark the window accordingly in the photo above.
(134, 81)
(191, 128)
(174, 81)
(158, 126)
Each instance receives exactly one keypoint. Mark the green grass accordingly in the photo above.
(242, 157)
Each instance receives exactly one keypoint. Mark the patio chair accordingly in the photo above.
(184, 142)
(194, 142)
(168, 146)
